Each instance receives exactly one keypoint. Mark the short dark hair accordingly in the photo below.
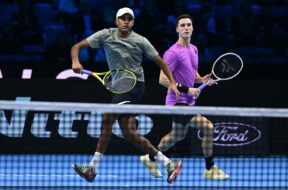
(183, 16)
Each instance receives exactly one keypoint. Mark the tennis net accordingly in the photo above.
(40, 140)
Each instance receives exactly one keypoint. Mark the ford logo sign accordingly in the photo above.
(233, 134)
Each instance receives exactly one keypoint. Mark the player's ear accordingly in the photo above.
(132, 23)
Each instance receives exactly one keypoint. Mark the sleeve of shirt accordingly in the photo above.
(149, 51)
(170, 57)
(96, 39)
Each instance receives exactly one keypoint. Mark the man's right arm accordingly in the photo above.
(163, 79)
(76, 65)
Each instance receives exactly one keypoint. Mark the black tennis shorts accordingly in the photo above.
(132, 97)
(182, 119)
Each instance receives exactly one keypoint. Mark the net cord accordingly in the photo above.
(143, 109)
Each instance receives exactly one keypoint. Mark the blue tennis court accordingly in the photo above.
(126, 172)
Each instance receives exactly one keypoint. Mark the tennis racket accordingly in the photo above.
(226, 67)
(117, 81)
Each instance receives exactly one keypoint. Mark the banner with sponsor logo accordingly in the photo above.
(233, 136)
(67, 131)
(74, 132)
(240, 135)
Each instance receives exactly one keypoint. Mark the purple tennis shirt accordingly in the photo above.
(183, 63)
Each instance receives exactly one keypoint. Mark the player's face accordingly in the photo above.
(125, 23)
(185, 28)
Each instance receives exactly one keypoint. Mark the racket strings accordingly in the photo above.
(120, 81)
(228, 66)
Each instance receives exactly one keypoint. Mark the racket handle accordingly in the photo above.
(202, 86)
(86, 72)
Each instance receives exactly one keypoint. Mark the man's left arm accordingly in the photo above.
(205, 79)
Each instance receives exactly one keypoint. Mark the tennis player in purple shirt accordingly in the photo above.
(182, 59)
(183, 62)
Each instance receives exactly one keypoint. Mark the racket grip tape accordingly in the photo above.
(86, 72)
(202, 86)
